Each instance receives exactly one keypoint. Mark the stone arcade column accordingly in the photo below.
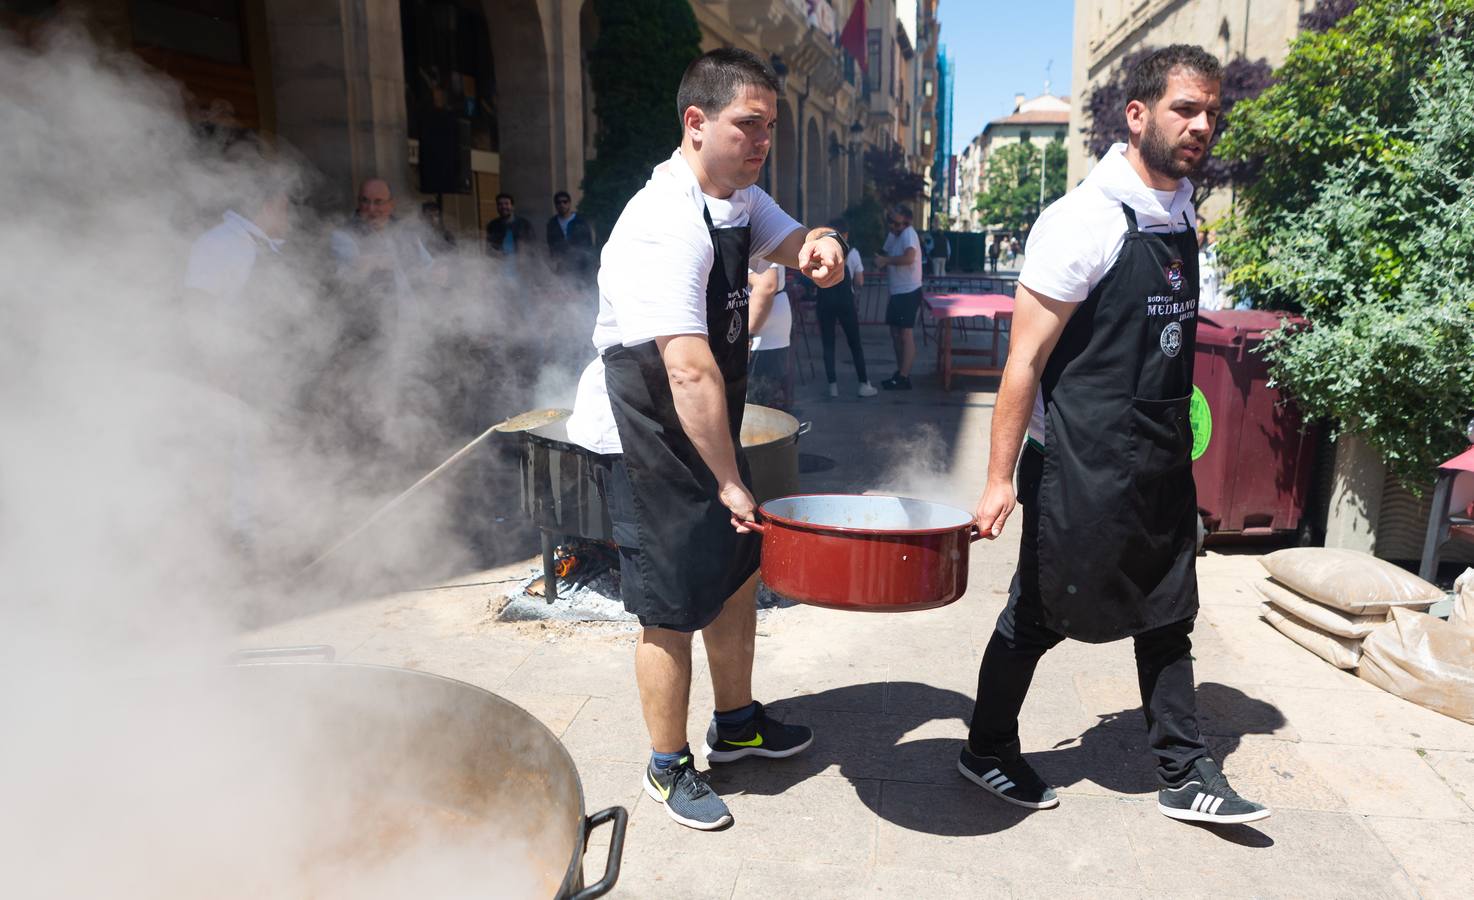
(338, 71)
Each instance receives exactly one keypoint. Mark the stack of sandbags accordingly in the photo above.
(1427, 660)
(1463, 611)
(1328, 600)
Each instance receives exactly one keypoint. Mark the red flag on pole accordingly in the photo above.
(853, 36)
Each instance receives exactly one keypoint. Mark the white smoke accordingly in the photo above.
(167, 465)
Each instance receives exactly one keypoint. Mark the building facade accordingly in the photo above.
(1039, 120)
(1108, 30)
(944, 164)
(354, 86)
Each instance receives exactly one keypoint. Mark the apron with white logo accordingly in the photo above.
(1117, 503)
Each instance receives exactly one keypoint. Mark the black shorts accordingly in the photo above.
(901, 309)
(634, 563)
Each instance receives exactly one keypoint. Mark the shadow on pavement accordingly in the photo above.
(1114, 754)
(914, 784)
(911, 783)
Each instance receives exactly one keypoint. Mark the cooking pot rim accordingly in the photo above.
(863, 532)
(575, 865)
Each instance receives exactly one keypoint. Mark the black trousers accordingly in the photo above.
(830, 312)
(1164, 670)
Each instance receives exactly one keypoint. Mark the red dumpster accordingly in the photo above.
(1252, 461)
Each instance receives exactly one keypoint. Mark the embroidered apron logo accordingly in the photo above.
(1172, 339)
(734, 331)
(1174, 278)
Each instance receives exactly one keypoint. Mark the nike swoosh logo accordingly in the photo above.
(755, 742)
(664, 791)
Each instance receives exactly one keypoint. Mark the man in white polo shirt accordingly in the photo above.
(1096, 388)
(770, 319)
(233, 310)
(666, 394)
(901, 255)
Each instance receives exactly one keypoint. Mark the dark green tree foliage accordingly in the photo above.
(1012, 198)
(893, 180)
(1369, 228)
(635, 65)
(867, 225)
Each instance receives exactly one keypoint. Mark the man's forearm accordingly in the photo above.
(1011, 419)
(757, 312)
(701, 406)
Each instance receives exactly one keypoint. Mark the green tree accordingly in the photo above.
(635, 65)
(891, 179)
(1364, 220)
(1012, 198)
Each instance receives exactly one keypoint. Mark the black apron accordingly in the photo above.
(689, 559)
(1118, 508)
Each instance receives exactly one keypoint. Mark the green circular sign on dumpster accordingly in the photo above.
(1201, 419)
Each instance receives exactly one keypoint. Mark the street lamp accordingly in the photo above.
(780, 68)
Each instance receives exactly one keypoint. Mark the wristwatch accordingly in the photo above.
(844, 248)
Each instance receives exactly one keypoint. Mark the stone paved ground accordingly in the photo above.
(1371, 795)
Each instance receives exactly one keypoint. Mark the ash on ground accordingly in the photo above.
(594, 600)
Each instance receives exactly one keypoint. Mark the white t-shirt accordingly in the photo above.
(1078, 237)
(778, 327)
(854, 263)
(653, 273)
(221, 259)
(903, 278)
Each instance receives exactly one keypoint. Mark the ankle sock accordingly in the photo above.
(735, 718)
(663, 761)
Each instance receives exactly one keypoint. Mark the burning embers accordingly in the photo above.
(586, 586)
(577, 565)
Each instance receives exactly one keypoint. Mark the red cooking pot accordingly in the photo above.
(863, 552)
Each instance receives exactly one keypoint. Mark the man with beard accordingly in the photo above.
(662, 407)
(1096, 389)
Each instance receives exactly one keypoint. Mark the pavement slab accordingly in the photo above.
(1369, 719)
(1275, 773)
(1297, 854)
(964, 830)
(1387, 781)
(1436, 855)
(1457, 770)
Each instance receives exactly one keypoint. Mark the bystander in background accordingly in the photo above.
(770, 323)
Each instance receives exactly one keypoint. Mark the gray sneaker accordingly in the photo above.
(686, 796)
(1006, 775)
(1207, 797)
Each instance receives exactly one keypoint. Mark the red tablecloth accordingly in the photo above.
(962, 306)
(1464, 462)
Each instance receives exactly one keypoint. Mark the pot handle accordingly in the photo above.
(325, 651)
(804, 428)
(974, 533)
(620, 818)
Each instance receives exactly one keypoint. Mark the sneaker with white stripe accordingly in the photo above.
(1207, 797)
(1005, 774)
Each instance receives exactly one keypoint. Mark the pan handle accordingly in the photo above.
(325, 651)
(620, 818)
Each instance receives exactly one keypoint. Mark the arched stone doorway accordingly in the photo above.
(815, 183)
(785, 148)
(523, 101)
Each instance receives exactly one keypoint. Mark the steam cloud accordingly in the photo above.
(131, 407)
